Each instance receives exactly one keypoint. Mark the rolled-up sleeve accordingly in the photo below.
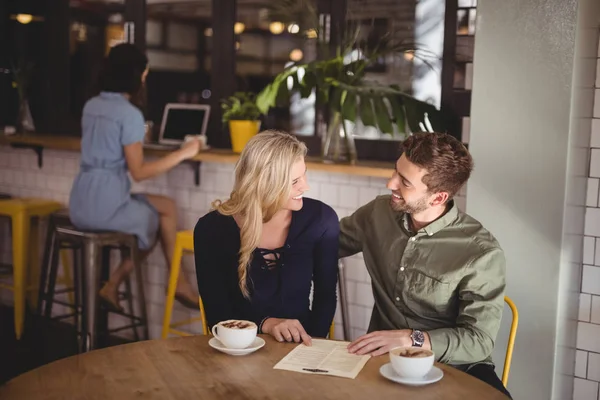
(481, 302)
(351, 230)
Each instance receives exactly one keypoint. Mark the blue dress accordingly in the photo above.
(101, 197)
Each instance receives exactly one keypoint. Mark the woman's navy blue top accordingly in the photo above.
(279, 288)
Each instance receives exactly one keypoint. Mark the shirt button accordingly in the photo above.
(430, 233)
(412, 239)
(397, 298)
(401, 268)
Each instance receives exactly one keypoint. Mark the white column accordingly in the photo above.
(528, 187)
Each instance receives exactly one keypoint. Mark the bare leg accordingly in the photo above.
(168, 230)
(110, 290)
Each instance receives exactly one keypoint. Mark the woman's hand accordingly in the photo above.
(288, 330)
(190, 148)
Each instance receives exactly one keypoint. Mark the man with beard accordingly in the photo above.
(438, 276)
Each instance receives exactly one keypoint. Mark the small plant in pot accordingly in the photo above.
(242, 114)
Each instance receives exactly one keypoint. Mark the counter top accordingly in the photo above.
(70, 143)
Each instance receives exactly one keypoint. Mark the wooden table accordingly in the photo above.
(188, 369)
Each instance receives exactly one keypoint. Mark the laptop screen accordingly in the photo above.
(183, 121)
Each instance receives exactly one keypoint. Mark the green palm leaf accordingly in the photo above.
(367, 115)
(382, 115)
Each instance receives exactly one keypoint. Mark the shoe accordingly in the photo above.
(108, 303)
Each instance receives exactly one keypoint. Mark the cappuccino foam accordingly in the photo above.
(412, 353)
(236, 324)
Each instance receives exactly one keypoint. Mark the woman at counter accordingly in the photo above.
(111, 146)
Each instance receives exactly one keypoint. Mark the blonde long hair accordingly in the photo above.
(262, 187)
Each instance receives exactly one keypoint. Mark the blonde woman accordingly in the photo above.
(259, 252)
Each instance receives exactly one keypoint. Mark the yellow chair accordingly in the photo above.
(25, 251)
(185, 242)
(511, 339)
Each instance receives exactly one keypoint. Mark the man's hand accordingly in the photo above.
(380, 342)
(288, 330)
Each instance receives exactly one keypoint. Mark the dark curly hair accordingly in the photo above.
(123, 69)
(447, 161)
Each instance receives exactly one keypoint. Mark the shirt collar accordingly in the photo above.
(112, 95)
(436, 225)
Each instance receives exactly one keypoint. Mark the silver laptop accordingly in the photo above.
(180, 120)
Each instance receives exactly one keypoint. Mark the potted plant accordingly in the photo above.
(242, 114)
(341, 84)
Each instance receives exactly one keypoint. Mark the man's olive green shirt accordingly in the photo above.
(446, 279)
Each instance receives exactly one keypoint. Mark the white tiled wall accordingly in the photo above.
(587, 361)
(20, 176)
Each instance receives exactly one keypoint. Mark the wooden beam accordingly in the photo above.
(338, 23)
(222, 74)
(6, 92)
(333, 11)
(56, 72)
(201, 46)
(448, 65)
(135, 15)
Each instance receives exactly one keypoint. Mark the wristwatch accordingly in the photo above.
(418, 338)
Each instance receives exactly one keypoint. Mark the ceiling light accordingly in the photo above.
(276, 27)
(293, 28)
(25, 18)
(311, 34)
(296, 55)
(238, 28)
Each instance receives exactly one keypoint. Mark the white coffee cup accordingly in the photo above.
(235, 333)
(411, 362)
(200, 138)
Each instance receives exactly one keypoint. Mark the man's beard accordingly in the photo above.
(414, 207)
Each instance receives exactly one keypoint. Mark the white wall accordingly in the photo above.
(528, 140)
(587, 364)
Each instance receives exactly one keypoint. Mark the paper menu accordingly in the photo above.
(324, 357)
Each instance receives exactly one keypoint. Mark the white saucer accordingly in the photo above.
(432, 376)
(216, 344)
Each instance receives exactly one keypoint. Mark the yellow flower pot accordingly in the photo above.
(241, 132)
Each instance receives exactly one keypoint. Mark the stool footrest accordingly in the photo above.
(64, 303)
(180, 333)
(122, 328)
(65, 290)
(185, 322)
(63, 316)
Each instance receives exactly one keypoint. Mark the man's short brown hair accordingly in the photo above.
(447, 161)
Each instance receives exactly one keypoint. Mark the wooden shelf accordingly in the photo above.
(70, 143)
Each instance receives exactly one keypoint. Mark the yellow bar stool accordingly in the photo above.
(25, 250)
(184, 242)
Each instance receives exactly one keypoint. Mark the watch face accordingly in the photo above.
(418, 337)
